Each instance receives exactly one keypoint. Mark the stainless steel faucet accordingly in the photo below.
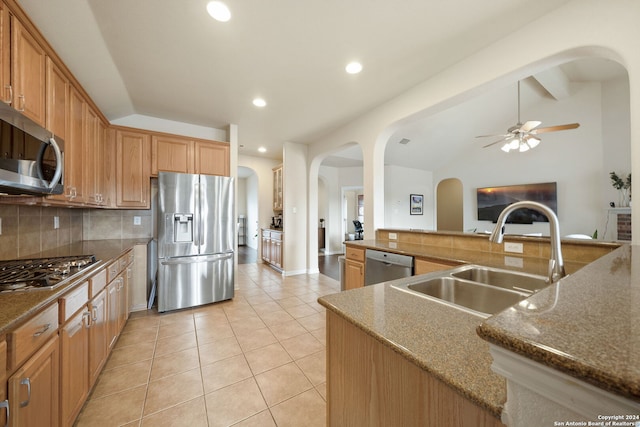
(556, 264)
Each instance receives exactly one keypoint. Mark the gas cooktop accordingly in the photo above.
(41, 273)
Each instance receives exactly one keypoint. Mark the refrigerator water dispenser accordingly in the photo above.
(183, 228)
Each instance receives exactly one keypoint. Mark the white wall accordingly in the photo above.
(399, 183)
(253, 211)
(580, 28)
(295, 214)
(169, 126)
(241, 196)
(333, 213)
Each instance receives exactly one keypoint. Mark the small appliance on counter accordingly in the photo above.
(276, 221)
(196, 232)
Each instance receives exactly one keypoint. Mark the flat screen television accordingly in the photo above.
(492, 200)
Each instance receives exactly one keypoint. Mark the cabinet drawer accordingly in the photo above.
(355, 254)
(98, 282)
(125, 260)
(32, 335)
(266, 234)
(276, 235)
(72, 302)
(112, 271)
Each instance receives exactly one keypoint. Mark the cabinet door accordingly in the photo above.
(212, 158)
(33, 389)
(113, 308)
(99, 163)
(5, 55)
(27, 73)
(109, 168)
(57, 100)
(90, 147)
(133, 163)
(123, 296)
(74, 366)
(74, 149)
(98, 344)
(4, 402)
(354, 274)
(266, 249)
(171, 154)
(277, 189)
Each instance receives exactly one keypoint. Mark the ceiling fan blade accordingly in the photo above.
(507, 137)
(555, 128)
(528, 126)
(494, 135)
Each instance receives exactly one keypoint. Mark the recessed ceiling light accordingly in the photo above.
(259, 102)
(353, 67)
(262, 150)
(218, 11)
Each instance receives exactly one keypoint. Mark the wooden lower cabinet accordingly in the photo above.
(353, 274)
(98, 344)
(272, 248)
(74, 366)
(117, 307)
(368, 384)
(34, 388)
(423, 266)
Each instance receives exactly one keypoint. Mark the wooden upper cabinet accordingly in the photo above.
(212, 158)
(171, 154)
(92, 159)
(28, 65)
(57, 100)
(133, 169)
(74, 149)
(109, 168)
(5, 55)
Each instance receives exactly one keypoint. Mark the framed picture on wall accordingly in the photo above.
(415, 204)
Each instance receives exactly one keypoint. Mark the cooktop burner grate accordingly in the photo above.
(40, 273)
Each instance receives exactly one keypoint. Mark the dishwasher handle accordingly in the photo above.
(390, 259)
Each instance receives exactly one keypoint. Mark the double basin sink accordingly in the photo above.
(479, 290)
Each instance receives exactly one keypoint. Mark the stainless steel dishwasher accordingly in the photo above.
(384, 266)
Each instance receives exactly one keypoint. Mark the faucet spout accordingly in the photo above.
(556, 263)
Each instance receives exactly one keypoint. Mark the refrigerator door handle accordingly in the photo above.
(197, 259)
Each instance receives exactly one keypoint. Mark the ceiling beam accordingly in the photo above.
(555, 82)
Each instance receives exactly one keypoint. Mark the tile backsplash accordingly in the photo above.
(27, 230)
(102, 224)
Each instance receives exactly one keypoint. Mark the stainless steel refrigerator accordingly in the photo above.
(196, 233)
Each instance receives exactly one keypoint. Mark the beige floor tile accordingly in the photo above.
(122, 378)
(266, 358)
(275, 317)
(302, 310)
(142, 322)
(250, 340)
(267, 307)
(247, 324)
(210, 332)
(321, 335)
(306, 409)
(136, 336)
(174, 363)
(262, 298)
(309, 297)
(285, 330)
(313, 322)
(178, 327)
(234, 403)
(211, 319)
(322, 389)
(130, 354)
(113, 410)
(314, 367)
(225, 372)
(192, 414)
(282, 383)
(290, 302)
(135, 423)
(262, 419)
(176, 343)
(218, 350)
(173, 390)
(302, 345)
(176, 316)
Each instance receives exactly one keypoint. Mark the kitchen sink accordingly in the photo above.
(478, 290)
(506, 279)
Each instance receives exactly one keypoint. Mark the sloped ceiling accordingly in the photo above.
(169, 59)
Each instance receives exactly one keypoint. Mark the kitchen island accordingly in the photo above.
(577, 335)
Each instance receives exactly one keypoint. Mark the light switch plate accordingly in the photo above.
(137, 220)
(513, 247)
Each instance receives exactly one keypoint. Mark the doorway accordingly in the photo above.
(449, 205)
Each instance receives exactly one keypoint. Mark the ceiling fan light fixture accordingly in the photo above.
(524, 147)
(506, 147)
(533, 142)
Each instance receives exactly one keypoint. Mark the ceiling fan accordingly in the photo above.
(523, 136)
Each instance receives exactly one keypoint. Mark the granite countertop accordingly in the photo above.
(440, 339)
(17, 307)
(586, 325)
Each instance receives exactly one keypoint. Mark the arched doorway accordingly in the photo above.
(450, 205)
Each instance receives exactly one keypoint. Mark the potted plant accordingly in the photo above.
(623, 186)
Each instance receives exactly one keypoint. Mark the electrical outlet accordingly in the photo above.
(56, 222)
(393, 236)
(516, 248)
(137, 220)
(511, 261)
(0, 226)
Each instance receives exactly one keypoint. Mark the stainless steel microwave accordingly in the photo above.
(31, 158)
